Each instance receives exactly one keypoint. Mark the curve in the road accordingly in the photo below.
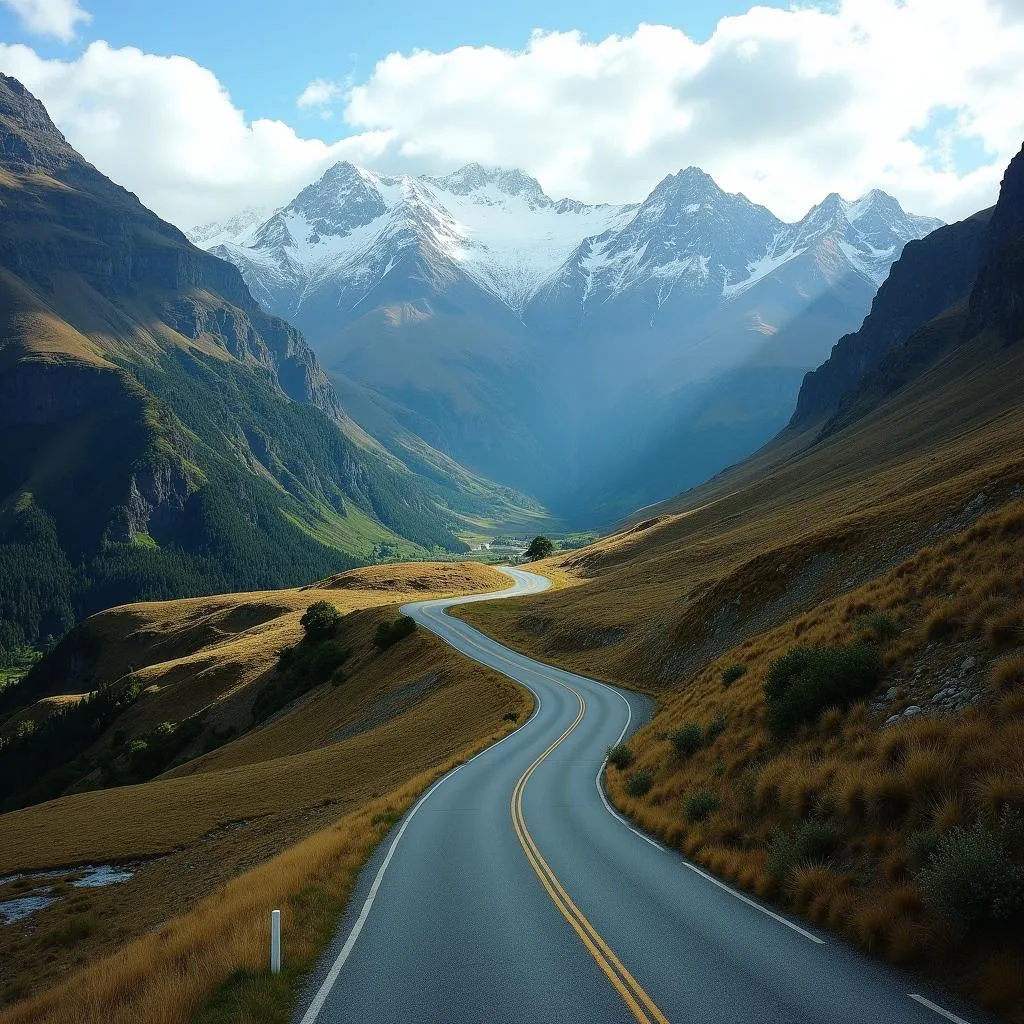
(461, 932)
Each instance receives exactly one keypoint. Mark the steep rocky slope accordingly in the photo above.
(161, 433)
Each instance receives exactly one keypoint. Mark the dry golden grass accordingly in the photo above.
(797, 546)
(398, 715)
(166, 976)
(875, 787)
(209, 655)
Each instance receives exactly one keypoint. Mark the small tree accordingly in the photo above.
(540, 547)
(319, 619)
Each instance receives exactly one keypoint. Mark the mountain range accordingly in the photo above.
(593, 335)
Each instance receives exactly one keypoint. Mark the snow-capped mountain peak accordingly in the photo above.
(475, 177)
(497, 228)
(494, 225)
(862, 237)
(214, 232)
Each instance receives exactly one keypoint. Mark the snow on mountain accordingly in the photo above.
(496, 226)
(865, 236)
(687, 234)
(206, 236)
(352, 228)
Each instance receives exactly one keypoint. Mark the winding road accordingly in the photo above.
(513, 892)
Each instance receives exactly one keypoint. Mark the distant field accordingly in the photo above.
(338, 750)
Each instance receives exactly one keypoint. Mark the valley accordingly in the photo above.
(626, 351)
(554, 609)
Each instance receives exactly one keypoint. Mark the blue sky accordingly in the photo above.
(194, 104)
(264, 53)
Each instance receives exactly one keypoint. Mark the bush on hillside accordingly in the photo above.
(811, 842)
(878, 628)
(389, 633)
(299, 669)
(971, 878)
(687, 740)
(620, 756)
(639, 783)
(320, 619)
(701, 805)
(807, 680)
(718, 725)
(732, 673)
(153, 753)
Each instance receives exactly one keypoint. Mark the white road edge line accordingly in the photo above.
(600, 789)
(938, 1009)
(757, 906)
(722, 885)
(317, 1004)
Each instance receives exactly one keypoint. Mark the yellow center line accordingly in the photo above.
(625, 984)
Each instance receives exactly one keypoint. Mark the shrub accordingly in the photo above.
(718, 725)
(971, 877)
(389, 633)
(1009, 672)
(811, 842)
(152, 753)
(309, 664)
(620, 756)
(807, 680)
(639, 783)
(319, 619)
(540, 547)
(323, 661)
(1006, 630)
(877, 628)
(732, 673)
(687, 740)
(700, 805)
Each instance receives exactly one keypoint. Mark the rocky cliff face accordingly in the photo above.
(113, 242)
(931, 275)
(998, 297)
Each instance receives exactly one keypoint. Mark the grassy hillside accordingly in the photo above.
(870, 780)
(335, 764)
(161, 434)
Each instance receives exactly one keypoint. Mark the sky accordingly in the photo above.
(203, 107)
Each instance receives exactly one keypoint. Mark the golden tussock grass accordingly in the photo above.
(166, 976)
(340, 749)
(874, 788)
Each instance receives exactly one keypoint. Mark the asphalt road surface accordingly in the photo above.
(513, 892)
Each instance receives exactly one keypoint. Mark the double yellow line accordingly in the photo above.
(639, 1002)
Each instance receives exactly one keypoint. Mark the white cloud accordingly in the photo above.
(50, 17)
(167, 130)
(785, 105)
(319, 93)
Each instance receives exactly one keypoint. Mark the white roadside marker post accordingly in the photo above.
(275, 942)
